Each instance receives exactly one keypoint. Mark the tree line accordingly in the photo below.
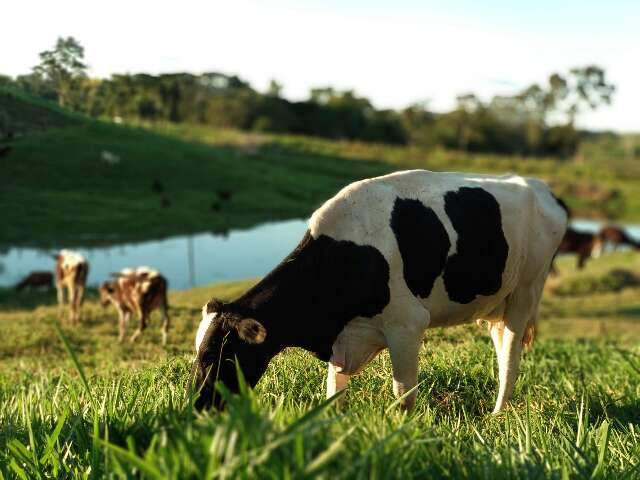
(539, 120)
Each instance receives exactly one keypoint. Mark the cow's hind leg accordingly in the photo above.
(496, 330)
(77, 302)
(140, 329)
(522, 307)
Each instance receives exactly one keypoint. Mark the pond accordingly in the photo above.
(186, 261)
(189, 261)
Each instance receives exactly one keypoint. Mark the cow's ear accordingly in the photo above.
(251, 331)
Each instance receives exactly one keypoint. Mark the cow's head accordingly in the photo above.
(224, 337)
(106, 291)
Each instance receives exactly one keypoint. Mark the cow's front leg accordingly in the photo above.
(336, 381)
(404, 347)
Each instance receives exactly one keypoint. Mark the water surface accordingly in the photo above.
(186, 261)
(193, 260)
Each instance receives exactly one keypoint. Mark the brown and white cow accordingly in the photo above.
(71, 271)
(140, 290)
(383, 261)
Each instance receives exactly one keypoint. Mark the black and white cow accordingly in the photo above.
(381, 262)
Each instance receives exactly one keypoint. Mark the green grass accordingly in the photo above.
(60, 191)
(56, 190)
(576, 411)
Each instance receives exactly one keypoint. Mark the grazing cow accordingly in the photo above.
(381, 262)
(615, 236)
(36, 279)
(72, 270)
(141, 291)
(585, 245)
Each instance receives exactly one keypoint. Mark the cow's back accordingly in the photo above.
(460, 243)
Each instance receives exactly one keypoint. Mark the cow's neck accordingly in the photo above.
(309, 298)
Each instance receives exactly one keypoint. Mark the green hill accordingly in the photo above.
(75, 180)
(59, 187)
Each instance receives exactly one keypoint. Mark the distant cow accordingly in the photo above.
(140, 290)
(36, 279)
(616, 236)
(71, 270)
(584, 244)
(381, 262)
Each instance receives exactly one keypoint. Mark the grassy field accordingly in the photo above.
(121, 409)
(59, 191)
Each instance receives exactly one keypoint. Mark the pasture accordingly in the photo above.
(90, 406)
(76, 404)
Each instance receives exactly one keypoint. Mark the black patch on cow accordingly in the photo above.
(423, 243)
(157, 286)
(481, 252)
(309, 298)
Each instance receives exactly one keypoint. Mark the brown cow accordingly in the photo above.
(616, 236)
(141, 290)
(583, 244)
(72, 270)
(36, 279)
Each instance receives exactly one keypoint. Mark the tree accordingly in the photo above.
(591, 90)
(275, 89)
(62, 68)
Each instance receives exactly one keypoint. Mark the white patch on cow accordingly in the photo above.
(127, 271)
(71, 259)
(150, 272)
(205, 323)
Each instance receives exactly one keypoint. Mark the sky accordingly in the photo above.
(393, 52)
